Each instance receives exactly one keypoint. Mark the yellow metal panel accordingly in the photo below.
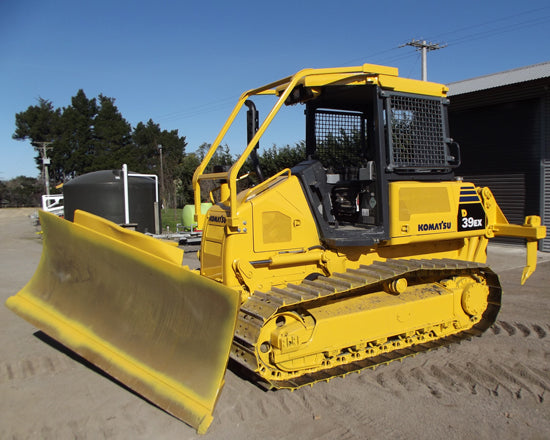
(422, 208)
(349, 76)
(378, 69)
(266, 185)
(282, 219)
(213, 243)
(334, 80)
(412, 86)
(212, 258)
(277, 227)
(216, 231)
(422, 199)
(159, 328)
(167, 251)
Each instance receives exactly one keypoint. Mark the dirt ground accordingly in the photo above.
(496, 386)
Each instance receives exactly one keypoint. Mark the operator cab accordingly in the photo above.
(353, 152)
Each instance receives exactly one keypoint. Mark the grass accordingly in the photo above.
(171, 218)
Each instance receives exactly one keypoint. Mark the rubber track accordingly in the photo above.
(260, 307)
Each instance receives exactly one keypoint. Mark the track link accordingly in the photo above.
(260, 307)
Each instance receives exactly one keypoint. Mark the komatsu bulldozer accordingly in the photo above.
(367, 251)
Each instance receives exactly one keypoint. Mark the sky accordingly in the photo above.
(184, 64)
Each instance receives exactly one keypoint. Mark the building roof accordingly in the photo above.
(508, 77)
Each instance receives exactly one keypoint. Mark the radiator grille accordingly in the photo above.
(417, 133)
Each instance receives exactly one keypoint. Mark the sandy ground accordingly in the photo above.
(496, 386)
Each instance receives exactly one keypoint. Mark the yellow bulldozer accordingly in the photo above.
(367, 251)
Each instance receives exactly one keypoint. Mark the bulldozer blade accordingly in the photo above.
(123, 301)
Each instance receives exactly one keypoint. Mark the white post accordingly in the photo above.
(126, 203)
(155, 204)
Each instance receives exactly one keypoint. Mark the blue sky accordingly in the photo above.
(183, 64)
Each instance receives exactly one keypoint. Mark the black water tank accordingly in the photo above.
(102, 194)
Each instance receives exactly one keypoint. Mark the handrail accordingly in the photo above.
(281, 88)
(266, 182)
(231, 175)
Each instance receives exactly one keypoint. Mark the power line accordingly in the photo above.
(499, 30)
(484, 24)
(388, 56)
(372, 55)
(454, 38)
(199, 109)
(409, 74)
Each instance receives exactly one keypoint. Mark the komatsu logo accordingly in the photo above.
(217, 219)
(441, 226)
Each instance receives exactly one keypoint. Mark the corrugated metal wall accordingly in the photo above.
(499, 145)
(545, 165)
(509, 191)
(504, 136)
(545, 246)
(505, 188)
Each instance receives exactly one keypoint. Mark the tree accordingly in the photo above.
(274, 159)
(173, 148)
(90, 135)
(39, 123)
(221, 158)
(341, 150)
(146, 157)
(112, 137)
(150, 144)
(220, 161)
(189, 164)
(20, 191)
(73, 153)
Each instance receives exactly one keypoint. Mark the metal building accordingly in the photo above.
(502, 123)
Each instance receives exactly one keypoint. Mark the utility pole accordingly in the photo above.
(424, 47)
(42, 148)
